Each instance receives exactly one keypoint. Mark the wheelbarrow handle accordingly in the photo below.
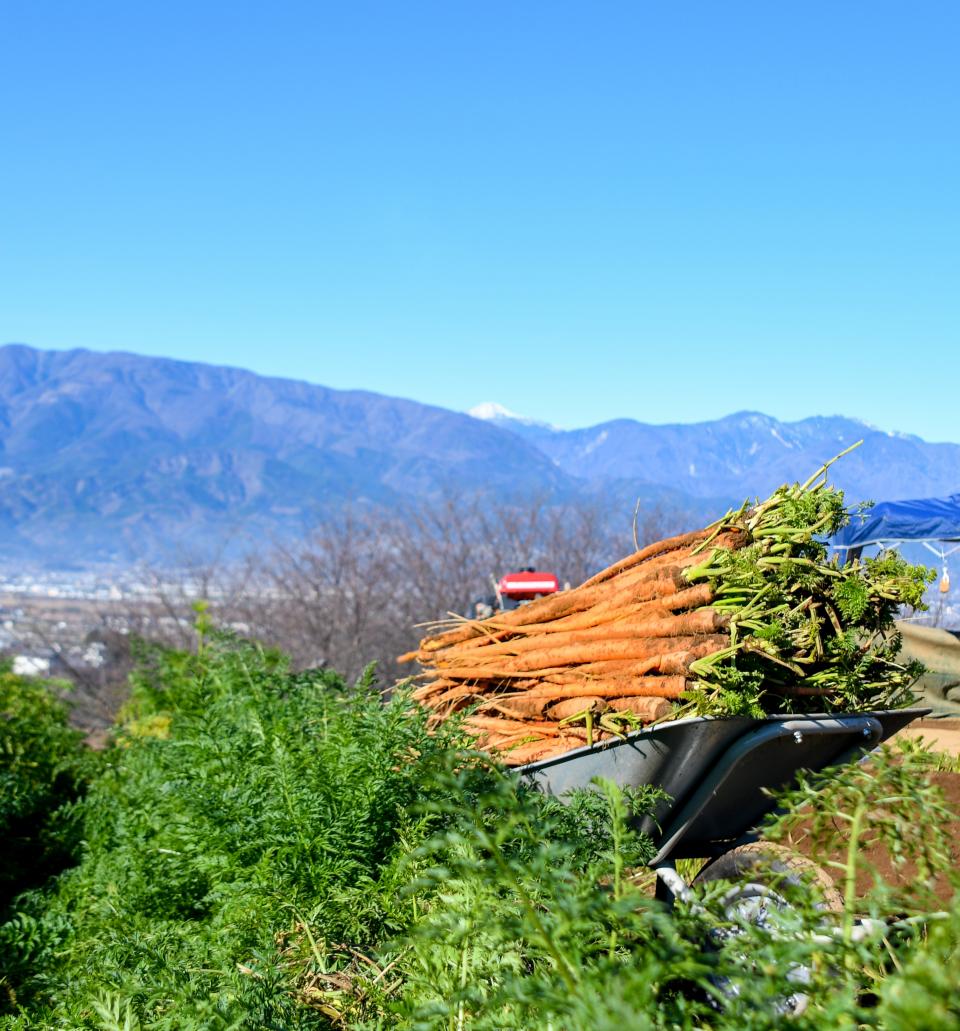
(731, 776)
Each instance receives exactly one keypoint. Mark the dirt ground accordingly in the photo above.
(875, 859)
(940, 735)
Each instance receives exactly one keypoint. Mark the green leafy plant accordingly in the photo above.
(806, 633)
(271, 799)
(44, 769)
(269, 849)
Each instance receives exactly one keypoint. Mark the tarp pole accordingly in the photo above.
(853, 554)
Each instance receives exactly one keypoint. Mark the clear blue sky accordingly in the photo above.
(665, 211)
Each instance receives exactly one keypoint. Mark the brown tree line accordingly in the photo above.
(359, 589)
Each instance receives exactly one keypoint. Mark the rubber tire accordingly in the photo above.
(776, 867)
(784, 872)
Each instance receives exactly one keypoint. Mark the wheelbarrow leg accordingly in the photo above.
(670, 885)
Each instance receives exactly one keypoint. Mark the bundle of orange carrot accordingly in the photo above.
(744, 617)
(579, 666)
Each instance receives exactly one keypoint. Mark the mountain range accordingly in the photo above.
(114, 457)
(745, 453)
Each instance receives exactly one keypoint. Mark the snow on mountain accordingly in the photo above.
(491, 411)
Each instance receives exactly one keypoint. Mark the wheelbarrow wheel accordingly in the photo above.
(775, 867)
(765, 880)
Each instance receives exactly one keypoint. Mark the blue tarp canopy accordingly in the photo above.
(928, 519)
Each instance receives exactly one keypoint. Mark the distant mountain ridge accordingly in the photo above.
(116, 457)
(751, 453)
(126, 456)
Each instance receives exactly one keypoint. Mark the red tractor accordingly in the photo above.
(514, 589)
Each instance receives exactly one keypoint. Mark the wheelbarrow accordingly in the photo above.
(717, 774)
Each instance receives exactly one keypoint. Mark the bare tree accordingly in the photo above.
(359, 588)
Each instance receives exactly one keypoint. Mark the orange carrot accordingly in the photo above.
(671, 546)
(651, 551)
(459, 691)
(498, 723)
(628, 630)
(573, 706)
(624, 641)
(434, 687)
(493, 672)
(515, 707)
(531, 752)
(630, 687)
(680, 648)
(646, 708)
(643, 584)
(624, 628)
(689, 598)
(671, 662)
(661, 584)
(704, 621)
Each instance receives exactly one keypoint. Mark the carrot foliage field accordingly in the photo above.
(269, 849)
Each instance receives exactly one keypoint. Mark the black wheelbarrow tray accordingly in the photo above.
(717, 773)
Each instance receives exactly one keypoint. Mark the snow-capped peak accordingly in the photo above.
(490, 411)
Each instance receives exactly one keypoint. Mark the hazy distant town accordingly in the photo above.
(58, 623)
(71, 623)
